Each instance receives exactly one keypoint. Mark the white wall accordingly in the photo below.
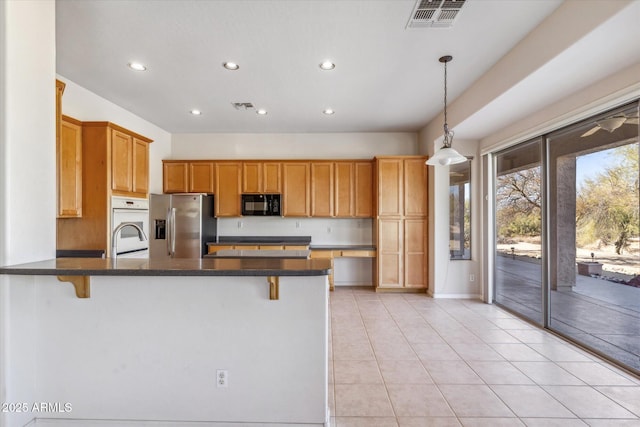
(27, 185)
(293, 145)
(147, 348)
(81, 104)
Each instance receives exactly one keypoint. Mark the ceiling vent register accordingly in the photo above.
(435, 13)
(242, 105)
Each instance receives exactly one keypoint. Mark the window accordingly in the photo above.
(460, 210)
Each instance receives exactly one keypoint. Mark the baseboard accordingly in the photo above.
(456, 296)
(56, 422)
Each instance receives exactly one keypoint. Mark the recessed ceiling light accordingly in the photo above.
(261, 111)
(327, 65)
(137, 66)
(196, 112)
(328, 111)
(231, 66)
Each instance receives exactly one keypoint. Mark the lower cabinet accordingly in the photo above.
(401, 253)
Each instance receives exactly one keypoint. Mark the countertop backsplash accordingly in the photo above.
(323, 231)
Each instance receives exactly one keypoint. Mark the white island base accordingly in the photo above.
(145, 351)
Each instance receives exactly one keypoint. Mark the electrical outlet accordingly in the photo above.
(222, 378)
(297, 224)
(472, 277)
(328, 230)
(239, 224)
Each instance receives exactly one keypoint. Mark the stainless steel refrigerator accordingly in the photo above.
(181, 225)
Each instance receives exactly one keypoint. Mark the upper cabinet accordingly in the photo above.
(69, 168)
(316, 188)
(68, 161)
(296, 177)
(228, 188)
(201, 177)
(128, 162)
(261, 177)
(322, 189)
(353, 189)
(401, 186)
(175, 177)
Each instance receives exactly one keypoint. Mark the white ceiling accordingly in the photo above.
(387, 77)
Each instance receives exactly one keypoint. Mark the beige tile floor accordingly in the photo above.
(406, 360)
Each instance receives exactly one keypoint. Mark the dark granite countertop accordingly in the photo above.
(257, 253)
(343, 247)
(172, 267)
(262, 240)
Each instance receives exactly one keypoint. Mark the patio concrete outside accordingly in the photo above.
(598, 313)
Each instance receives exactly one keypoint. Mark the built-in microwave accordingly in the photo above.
(261, 205)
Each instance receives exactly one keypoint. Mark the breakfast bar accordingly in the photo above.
(209, 338)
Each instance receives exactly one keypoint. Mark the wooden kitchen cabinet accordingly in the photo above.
(401, 223)
(261, 177)
(353, 189)
(389, 259)
(390, 183)
(140, 170)
(363, 190)
(121, 161)
(296, 179)
(129, 163)
(228, 188)
(69, 168)
(415, 253)
(415, 187)
(115, 162)
(322, 189)
(201, 177)
(175, 177)
(344, 189)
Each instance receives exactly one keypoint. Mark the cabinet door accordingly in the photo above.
(121, 161)
(228, 189)
(415, 187)
(343, 186)
(390, 247)
(70, 169)
(296, 189)
(252, 177)
(201, 177)
(415, 253)
(390, 187)
(363, 194)
(272, 178)
(174, 177)
(322, 189)
(140, 167)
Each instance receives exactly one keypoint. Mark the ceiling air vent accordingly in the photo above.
(242, 105)
(435, 13)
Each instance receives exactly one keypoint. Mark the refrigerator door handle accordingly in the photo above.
(173, 232)
(168, 231)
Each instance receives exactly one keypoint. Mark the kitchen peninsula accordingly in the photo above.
(151, 331)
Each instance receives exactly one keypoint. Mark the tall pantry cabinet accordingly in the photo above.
(401, 223)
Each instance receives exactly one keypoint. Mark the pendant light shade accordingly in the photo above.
(446, 155)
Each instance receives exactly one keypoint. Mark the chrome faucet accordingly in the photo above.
(114, 242)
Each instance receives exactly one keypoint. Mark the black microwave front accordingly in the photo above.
(261, 205)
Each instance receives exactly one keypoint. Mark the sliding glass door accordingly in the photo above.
(594, 234)
(518, 268)
(567, 212)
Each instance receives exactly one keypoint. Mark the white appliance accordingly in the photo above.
(129, 209)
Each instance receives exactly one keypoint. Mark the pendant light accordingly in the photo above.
(446, 155)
